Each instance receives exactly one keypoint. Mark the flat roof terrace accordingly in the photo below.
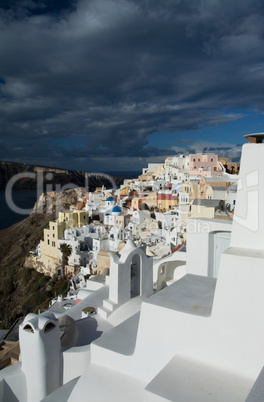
(193, 294)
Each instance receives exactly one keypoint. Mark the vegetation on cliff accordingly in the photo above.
(23, 290)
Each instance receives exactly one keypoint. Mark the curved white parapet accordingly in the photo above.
(41, 355)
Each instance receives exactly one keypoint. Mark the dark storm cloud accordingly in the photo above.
(108, 73)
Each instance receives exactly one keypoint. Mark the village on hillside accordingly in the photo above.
(151, 248)
(166, 289)
(151, 210)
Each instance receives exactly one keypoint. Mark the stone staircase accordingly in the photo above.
(107, 308)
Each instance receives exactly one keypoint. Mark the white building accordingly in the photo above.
(199, 339)
(231, 196)
(167, 220)
(137, 219)
(116, 236)
(85, 243)
(110, 215)
(158, 184)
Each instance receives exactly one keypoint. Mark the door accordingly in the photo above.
(221, 243)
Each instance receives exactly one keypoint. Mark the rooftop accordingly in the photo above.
(193, 294)
(206, 202)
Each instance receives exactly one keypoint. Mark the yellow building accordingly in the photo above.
(103, 260)
(224, 160)
(135, 203)
(74, 218)
(191, 189)
(49, 261)
(151, 199)
(149, 176)
(158, 169)
(166, 199)
(49, 245)
(122, 193)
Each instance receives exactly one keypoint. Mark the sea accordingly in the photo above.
(22, 202)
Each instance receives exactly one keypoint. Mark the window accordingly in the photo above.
(49, 327)
(194, 159)
(199, 160)
(28, 328)
(48, 241)
(53, 227)
(212, 160)
(66, 219)
(53, 235)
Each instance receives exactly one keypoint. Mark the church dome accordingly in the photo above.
(116, 210)
(110, 199)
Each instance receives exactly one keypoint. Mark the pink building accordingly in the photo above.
(205, 164)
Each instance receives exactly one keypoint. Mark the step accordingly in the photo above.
(104, 312)
(109, 304)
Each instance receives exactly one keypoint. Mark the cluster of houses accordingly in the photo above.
(197, 335)
(151, 209)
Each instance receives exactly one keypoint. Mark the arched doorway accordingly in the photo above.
(218, 242)
(135, 276)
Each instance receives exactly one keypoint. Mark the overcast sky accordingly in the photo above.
(108, 85)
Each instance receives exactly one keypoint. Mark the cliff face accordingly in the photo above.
(23, 290)
(54, 202)
(30, 177)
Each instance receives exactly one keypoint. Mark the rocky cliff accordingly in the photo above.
(30, 177)
(54, 202)
(23, 290)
